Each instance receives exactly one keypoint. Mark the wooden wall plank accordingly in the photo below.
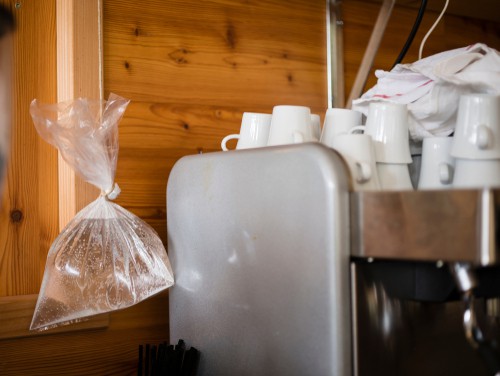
(217, 52)
(111, 351)
(16, 313)
(29, 208)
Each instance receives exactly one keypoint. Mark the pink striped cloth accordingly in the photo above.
(431, 87)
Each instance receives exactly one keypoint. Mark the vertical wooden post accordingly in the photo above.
(371, 51)
(79, 74)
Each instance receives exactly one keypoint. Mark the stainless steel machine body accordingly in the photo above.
(425, 281)
(259, 243)
(281, 271)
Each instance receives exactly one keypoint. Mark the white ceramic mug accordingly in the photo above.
(358, 152)
(477, 132)
(254, 131)
(338, 121)
(437, 165)
(394, 176)
(476, 173)
(290, 125)
(387, 123)
(316, 126)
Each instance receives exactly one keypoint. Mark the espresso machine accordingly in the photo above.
(281, 269)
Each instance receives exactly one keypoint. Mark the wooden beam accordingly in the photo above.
(371, 51)
(79, 74)
(16, 313)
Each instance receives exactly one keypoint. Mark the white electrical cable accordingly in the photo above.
(432, 29)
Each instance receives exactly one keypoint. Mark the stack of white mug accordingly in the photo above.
(286, 125)
(356, 149)
(437, 165)
(471, 158)
(379, 157)
(387, 124)
(476, 142)
(377, 153)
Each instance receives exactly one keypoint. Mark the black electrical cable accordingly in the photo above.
(413, 31)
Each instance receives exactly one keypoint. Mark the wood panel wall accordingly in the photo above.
(191, 68)
(28, 213)
(29, 224)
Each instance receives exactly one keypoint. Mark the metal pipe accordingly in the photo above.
(335, 53)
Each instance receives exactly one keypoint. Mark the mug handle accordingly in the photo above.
(483, 136)
(445, 173)
(226, 139)
(298, 137)
(363, 173)
(361, 128)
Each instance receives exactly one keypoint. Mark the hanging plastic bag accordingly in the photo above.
(106, 258)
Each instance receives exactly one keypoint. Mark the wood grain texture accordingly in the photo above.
(111, 351)
(29, 210)
(16, 313)
(192, 68)
(251, 53)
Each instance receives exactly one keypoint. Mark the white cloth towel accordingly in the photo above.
(431, 87)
